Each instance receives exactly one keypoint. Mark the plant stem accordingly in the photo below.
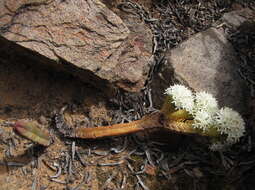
(168, 109)
(147, 122)
(153, 121)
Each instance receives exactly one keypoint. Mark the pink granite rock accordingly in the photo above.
(207, 62)
(85, 34)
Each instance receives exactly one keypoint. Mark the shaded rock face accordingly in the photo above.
(236, 18)
(207, 62)
(85, 34)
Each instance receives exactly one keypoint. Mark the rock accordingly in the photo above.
(85, 34)
(207, 62)
(140, 36)
(113, 4)
(236, 18)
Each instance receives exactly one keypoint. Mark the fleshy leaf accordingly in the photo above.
(31, 130)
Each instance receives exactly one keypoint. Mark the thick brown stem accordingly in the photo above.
(147, 122)
(107, 131)
(153, 121)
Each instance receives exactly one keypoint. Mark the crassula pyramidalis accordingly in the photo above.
(224, 125)
(182, 112)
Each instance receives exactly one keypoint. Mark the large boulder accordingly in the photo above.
(85, 34)
(208, 62)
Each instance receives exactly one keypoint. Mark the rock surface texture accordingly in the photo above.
(236, 18)
(207, 62)
(85, 34)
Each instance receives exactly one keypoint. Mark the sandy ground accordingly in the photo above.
(34, 93)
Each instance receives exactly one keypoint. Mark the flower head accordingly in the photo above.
(206, 102)
(230, 123)
(203, 120)
(181, 96)
(225, 126)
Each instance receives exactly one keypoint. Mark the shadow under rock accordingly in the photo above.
(33, 86)
(231, 90)
(243, 41)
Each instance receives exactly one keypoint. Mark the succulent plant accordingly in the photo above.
(182, 112)
(32, 131)
(224, 125)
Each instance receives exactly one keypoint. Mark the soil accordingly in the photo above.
(37, 92)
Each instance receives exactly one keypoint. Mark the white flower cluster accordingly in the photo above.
(181, 96)
(204, 109)
(231, 123)
(206, 102)
(203, 120)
